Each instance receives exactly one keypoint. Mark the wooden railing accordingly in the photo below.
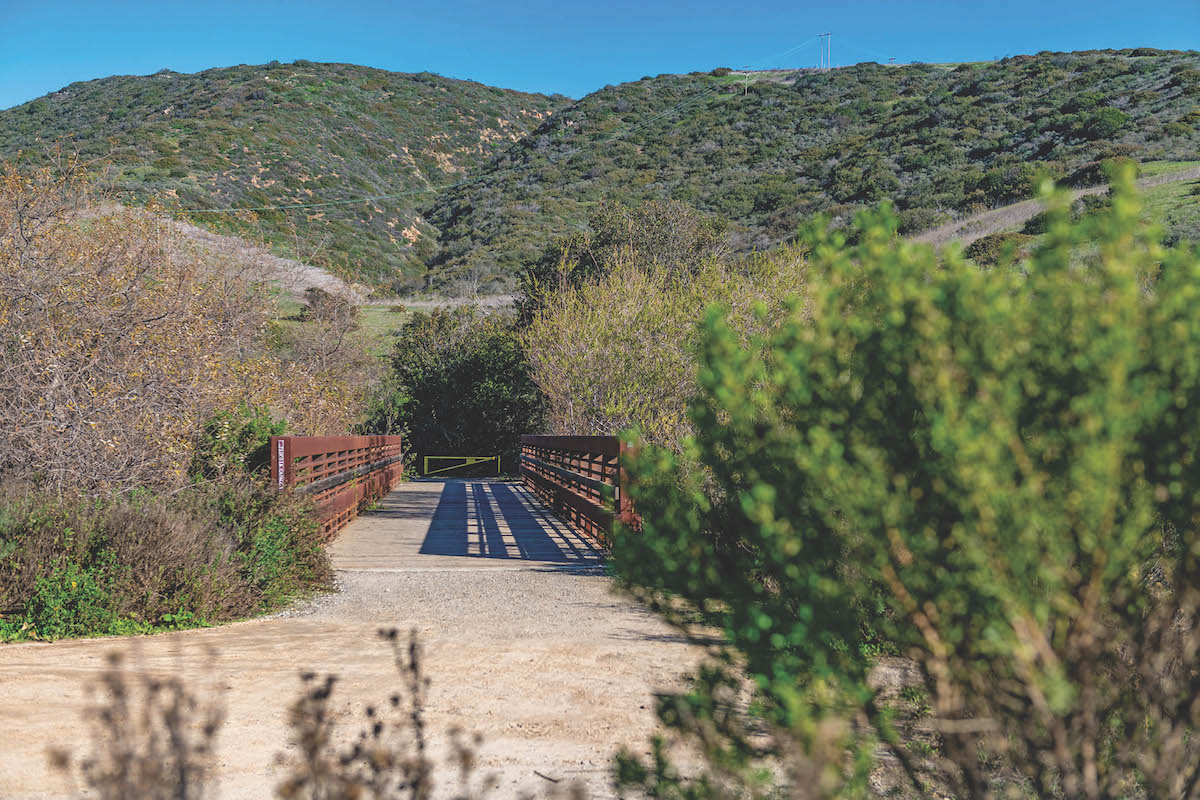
(344, 474)
(580, 478)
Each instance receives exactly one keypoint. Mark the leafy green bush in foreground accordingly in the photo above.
(996, 469)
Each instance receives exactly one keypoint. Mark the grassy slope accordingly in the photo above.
(938, 140)
(1176, 206)
(287, 133)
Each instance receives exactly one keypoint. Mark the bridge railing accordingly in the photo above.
(343, 474)
(580, 478)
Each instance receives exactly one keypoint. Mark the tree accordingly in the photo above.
(459, 385)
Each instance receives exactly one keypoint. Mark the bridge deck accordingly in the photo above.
(460, 523)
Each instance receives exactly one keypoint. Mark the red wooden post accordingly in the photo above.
(625, 510)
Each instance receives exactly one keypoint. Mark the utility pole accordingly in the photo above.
(825, 59)
(746, 83)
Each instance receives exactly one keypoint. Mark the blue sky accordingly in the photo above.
(547, 46)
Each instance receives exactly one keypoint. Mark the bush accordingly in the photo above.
(618, 352)
(1102, 123)
(73, 566)
(1003, 464)
(234, 441)
(719, 72)
(459, 385)
(120, 337)
(996, 248)
(668, 234)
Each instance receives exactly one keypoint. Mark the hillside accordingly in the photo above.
(765, 151)
(768, 150)
(304, 132)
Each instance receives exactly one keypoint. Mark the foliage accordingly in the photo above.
(136, 563)
(996, 248)
(119, 340)
(459, 385)
(255, 136)
(1005, 459)
(666, 234)
(234, 441)
(936, 140)
(618, 352)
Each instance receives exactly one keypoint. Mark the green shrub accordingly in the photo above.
(71, 566)
(719, 72)
(995, 248)
(234, 440)
(1178, 129)
(70, 601)
(459, 384)
(1006, 461)
(1103, 123)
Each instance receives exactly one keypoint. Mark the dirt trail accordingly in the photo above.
(965, 231)
(524, 641)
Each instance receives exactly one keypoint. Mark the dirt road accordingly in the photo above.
(524, 643)
(967, 230)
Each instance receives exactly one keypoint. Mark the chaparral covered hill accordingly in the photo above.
(768, 150)
(253, 136)
(487, 177)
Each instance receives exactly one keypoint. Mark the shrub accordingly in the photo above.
(1177, 129)
(120, 337)
(234, 441)
(669, 234)
(322, 305)
(719, 72)
(73, 566)
(1003, 461)
(1103, 123)
(618, 352)
(995, 248)
(459, 384)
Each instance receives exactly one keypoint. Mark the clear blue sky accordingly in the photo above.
(549, 46)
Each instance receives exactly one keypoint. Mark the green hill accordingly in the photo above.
(765, 151)
(768, 150)
(304, 132)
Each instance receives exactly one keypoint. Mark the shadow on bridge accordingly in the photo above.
(493, 519)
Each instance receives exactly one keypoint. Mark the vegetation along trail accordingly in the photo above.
(964, 231)
(524, 643)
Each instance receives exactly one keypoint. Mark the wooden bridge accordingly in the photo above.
(561, 512)
(522, 635)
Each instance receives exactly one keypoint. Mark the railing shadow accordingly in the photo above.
(490, 519)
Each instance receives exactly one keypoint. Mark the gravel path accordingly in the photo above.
(524, 642)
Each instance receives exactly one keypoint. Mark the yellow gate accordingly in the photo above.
(468, 461)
